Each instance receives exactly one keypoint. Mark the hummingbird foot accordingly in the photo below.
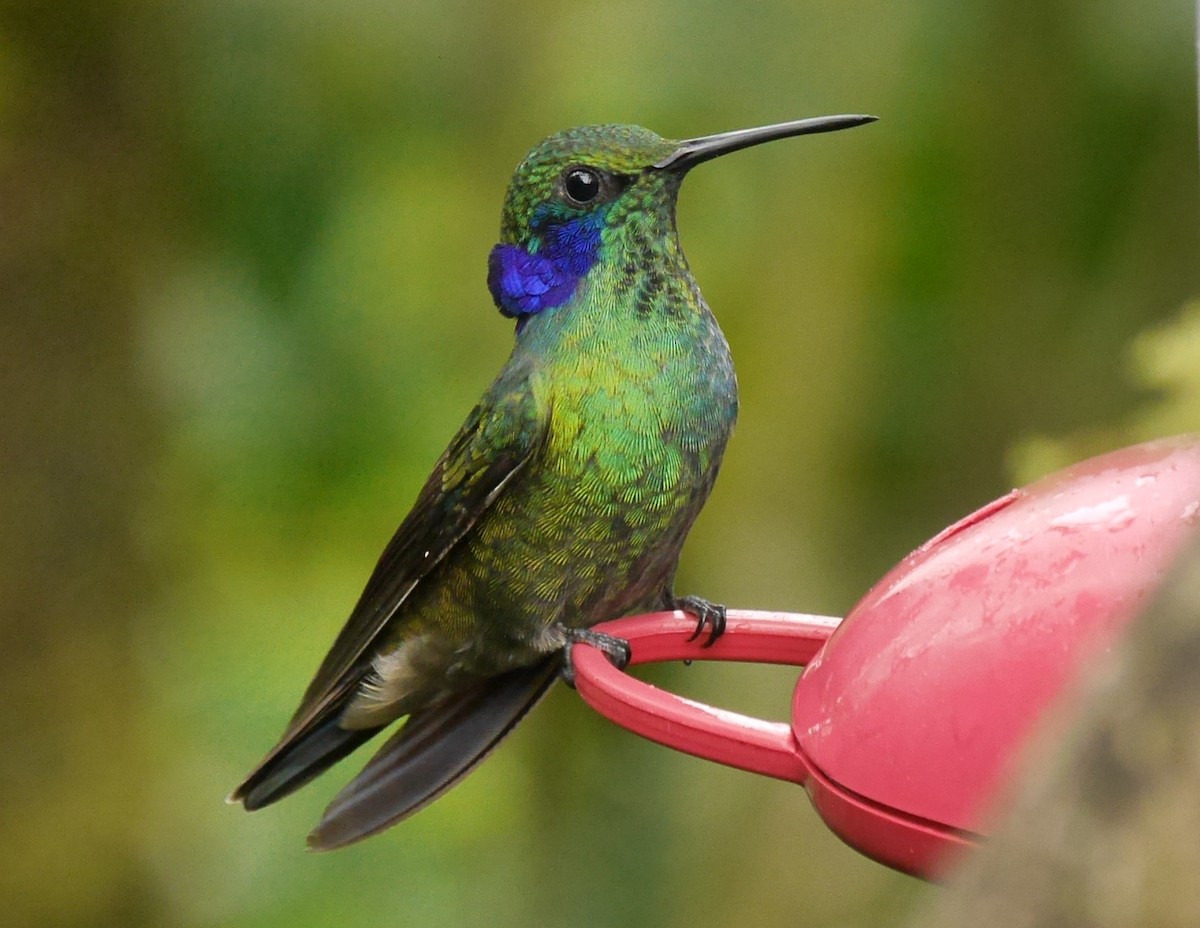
(614, 648)
(708, 615)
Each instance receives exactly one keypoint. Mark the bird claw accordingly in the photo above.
(616, 649)
(707, 614)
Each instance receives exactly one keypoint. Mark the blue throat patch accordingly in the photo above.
(526, 282)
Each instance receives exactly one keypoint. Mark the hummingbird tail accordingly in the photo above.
(299, 760)
(436, 748)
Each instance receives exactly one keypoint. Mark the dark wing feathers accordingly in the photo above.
(323, 744)
(491, 448)
(499, 437)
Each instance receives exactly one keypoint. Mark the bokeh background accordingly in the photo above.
(242, 252)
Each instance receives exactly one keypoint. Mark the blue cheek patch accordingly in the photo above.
(524, 283)
(574, 245)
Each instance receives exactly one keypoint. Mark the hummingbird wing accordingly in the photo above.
(500, 436)
(436, 748)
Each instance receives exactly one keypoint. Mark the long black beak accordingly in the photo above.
(693, 151)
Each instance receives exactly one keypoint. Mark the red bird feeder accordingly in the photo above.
(912, 712)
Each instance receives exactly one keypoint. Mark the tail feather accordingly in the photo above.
(435, 749)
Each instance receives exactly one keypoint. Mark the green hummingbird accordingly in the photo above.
(564, 499)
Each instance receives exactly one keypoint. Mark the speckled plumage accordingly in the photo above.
(563, 501)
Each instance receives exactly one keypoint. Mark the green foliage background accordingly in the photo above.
(242, 270)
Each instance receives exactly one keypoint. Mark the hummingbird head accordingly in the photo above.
(580, 188)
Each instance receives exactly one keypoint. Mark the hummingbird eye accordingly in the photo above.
(581, 185)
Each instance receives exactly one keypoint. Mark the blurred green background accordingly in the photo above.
(242, 258)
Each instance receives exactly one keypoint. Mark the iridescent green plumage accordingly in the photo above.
(562, 502)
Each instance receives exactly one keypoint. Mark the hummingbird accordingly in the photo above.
(563, 500)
